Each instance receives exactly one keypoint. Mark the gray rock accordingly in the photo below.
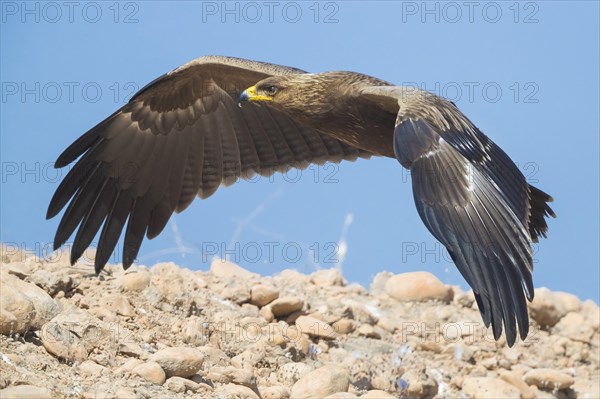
(151, 372)
(489, 388)
(321, 382)
(62, 343)
(545, 378)
(286, 305)
(179, 361)
(25, 392)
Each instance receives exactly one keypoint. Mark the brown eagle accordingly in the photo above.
(184, 135)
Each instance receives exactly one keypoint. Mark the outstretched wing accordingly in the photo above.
(180, 136)
(475, 201)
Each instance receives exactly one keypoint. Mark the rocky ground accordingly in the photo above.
(168, 332)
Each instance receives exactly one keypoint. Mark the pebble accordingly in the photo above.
(261, 295)
(315, 327)
(16, 311)
(178, 384)
(135, 281)
(341, 395)
(151, 372)
(546, 309)
(276, 392)
(51, 282)
(321, 382)
(120, 305)
(367, 330)
(420, 384)
(286, 305)
(128, 366)
(213, 357)
(489, 388)
(417, 286)
(291, 372)
(516, 380)
(13, 294)
(327, 278)
(62, 343)
(179, 361)
(228, 270)
(250, 357)
(91, 368)
(267, 313)
(548, 379)
(232, 391)
(377, 394)
(344, 326)
(25, 392)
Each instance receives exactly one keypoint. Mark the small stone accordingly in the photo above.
(344, 326)
(315, 327)
(388, 324)
(367, 330)
(515, 379)
(25, 392)
(489, 388)
(225, 375)
(420, 385)
(236, 293)
(586, 388)
(276, 392)
(417, 286)
(341, 395)
(151, 372)
(16, 311)
(286, 305)
(570, 302)
(261, 295)
(327, 278)
(250, 357)
(51, 282)
(377, 287)
(128, 366)
(377, 394)
(548, 379)
(232, 391)
(267, 313)
(120, 305)
(179, 361)
(178, 384)
(123, 393)
(213, 357)
(291, 372)
(62, 343)
(134, 281)
(546, 308)
(228, 270)
(13, 293)
(92, 369)
(321, 382)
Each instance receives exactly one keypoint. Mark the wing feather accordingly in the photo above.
(179, 137)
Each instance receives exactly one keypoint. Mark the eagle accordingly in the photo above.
(217, 120)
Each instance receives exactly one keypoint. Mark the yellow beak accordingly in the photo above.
(250, 95)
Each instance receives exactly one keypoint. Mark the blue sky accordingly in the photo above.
(525, 73)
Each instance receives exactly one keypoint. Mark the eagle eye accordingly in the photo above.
(271, 90)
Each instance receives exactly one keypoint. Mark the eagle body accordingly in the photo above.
(217, 119)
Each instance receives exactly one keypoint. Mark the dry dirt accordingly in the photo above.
(168, 332)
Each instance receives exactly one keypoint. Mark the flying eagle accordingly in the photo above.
(217, 119)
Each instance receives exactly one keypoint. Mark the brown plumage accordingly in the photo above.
(183, 135)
